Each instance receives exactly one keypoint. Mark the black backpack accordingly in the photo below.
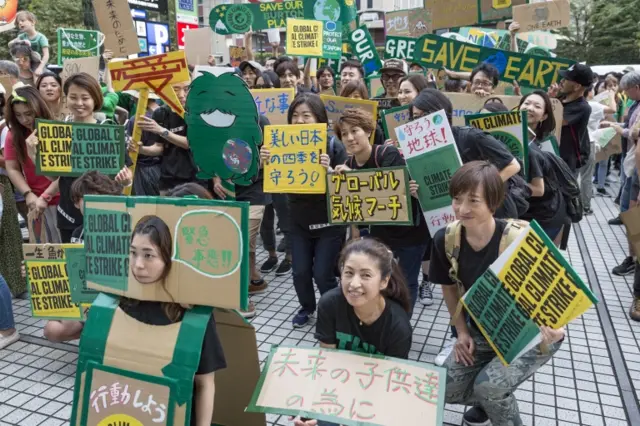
(561, 179)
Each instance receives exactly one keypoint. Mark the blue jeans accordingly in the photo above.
(6, 310)
(601, 177)
(628, 192)
(410, 262)
(314, 258)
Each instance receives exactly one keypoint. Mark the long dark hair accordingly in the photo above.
(418, 81)
(37, 104)
(430, 101)
(396, 289)
(546, 127)
(53, 75)
(315, 105)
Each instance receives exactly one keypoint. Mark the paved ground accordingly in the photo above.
(593, 380)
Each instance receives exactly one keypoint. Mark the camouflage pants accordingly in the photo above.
(490, 384)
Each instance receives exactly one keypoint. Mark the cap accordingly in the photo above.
(578, 73)
(394, 65)
(253, 65)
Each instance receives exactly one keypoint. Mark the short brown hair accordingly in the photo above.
(88, 83)
(354, 86)
(476, 173)
(355, 117)
(96, 183)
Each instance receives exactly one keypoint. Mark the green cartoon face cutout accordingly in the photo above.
(223, 125)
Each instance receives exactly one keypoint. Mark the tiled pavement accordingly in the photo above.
(593, 380)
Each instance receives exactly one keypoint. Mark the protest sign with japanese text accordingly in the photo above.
(71, 149)
(433, 51)
(543, 16)
(432, 158)
(509, 128)
(530, 285)
(373, 196)
(73, 43)
(392, 118)
(408, 22)
(335, 105)
(206, 270)
(115, 21)
(49, 281)
(273, 103)
(348, 388)
(304, 37)
(294, 162)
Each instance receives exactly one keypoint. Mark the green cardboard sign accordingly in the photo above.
(364, 48)
(332, 40)
(76, 269)
(397, 47)
(71, 149)
(433, 51)
(392, 118)
(73, 44)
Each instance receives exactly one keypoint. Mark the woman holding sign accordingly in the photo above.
(315, 245)
(475, 375)
(408, 243)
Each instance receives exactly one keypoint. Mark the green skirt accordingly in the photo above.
(11, 238)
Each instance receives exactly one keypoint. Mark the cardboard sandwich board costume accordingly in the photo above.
(132, 373)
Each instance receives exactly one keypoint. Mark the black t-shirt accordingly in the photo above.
(550, 209)
(177, 165)
(394, 236)
(311, 209)
(254, 193)
(77, 237)
(212, 355)
(339, 325)
(69, 217)
(144, 160)
(471, 264)
(574, 130)
(474, 144)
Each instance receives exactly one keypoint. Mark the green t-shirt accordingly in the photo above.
(37, 43)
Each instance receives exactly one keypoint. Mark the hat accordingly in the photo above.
(395, 65)
(253, 64)
(578, 73)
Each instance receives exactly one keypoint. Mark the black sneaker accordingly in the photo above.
(601, 191)
(627, 267)
(476, 416)
(617, 201)
(270, 264)
(284, 268)
(615, 221)
(588, 211)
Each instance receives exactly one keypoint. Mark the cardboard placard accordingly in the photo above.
(466, 104)
(408, 22)
(71, 149)
(76, 268)
(378, 196)
(304, 37)
(433, 51)
(350, 389)
(550, 144)
(223, 126)
(8, 12)
(543, 16)
(613, 147)
(392, 118)
(530, 285)
(116, 23)
(374, 86)
(332, 39)
(237, 54)
(496, 10)
(432, 158)
(73, 43)
(240, 18)
(294, 163)
(273, 103)
(156, 73)
(90, 65)
(396, 23)
(452, 13)
(336, 104)
(364, 48)
(509, 128)
(208, 250)
(197, 46)
(48, 281)
(399, 48)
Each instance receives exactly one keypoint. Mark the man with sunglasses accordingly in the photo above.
(391, 73)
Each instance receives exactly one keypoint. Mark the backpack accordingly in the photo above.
(452, 244)
(561, 179)
(376, 156)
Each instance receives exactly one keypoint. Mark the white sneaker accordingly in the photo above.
(249, 313)
(7, 340)
(425, 293)
(445, 352)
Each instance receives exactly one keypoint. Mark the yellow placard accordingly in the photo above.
(56, 139)
(304, 37)
(273, 103)
(294, 159)
(49, 290)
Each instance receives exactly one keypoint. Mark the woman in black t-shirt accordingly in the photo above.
(150, 264)
(369, 312)
(475, 375)
(315, 245)
(408, 243)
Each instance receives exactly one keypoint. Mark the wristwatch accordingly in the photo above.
(164, 133)
(46, 197)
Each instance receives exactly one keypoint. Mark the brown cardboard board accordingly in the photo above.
(237, 54)
(115, 21)
(408, 23)
(397, 23)
(613, 147)
(235, 384)
(197, 46)
(452, 13)
(90, 65)
(465, 103)
(542, 16)
(631, 220)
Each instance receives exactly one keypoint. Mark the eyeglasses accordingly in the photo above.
(394, 77)
(482, 83)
